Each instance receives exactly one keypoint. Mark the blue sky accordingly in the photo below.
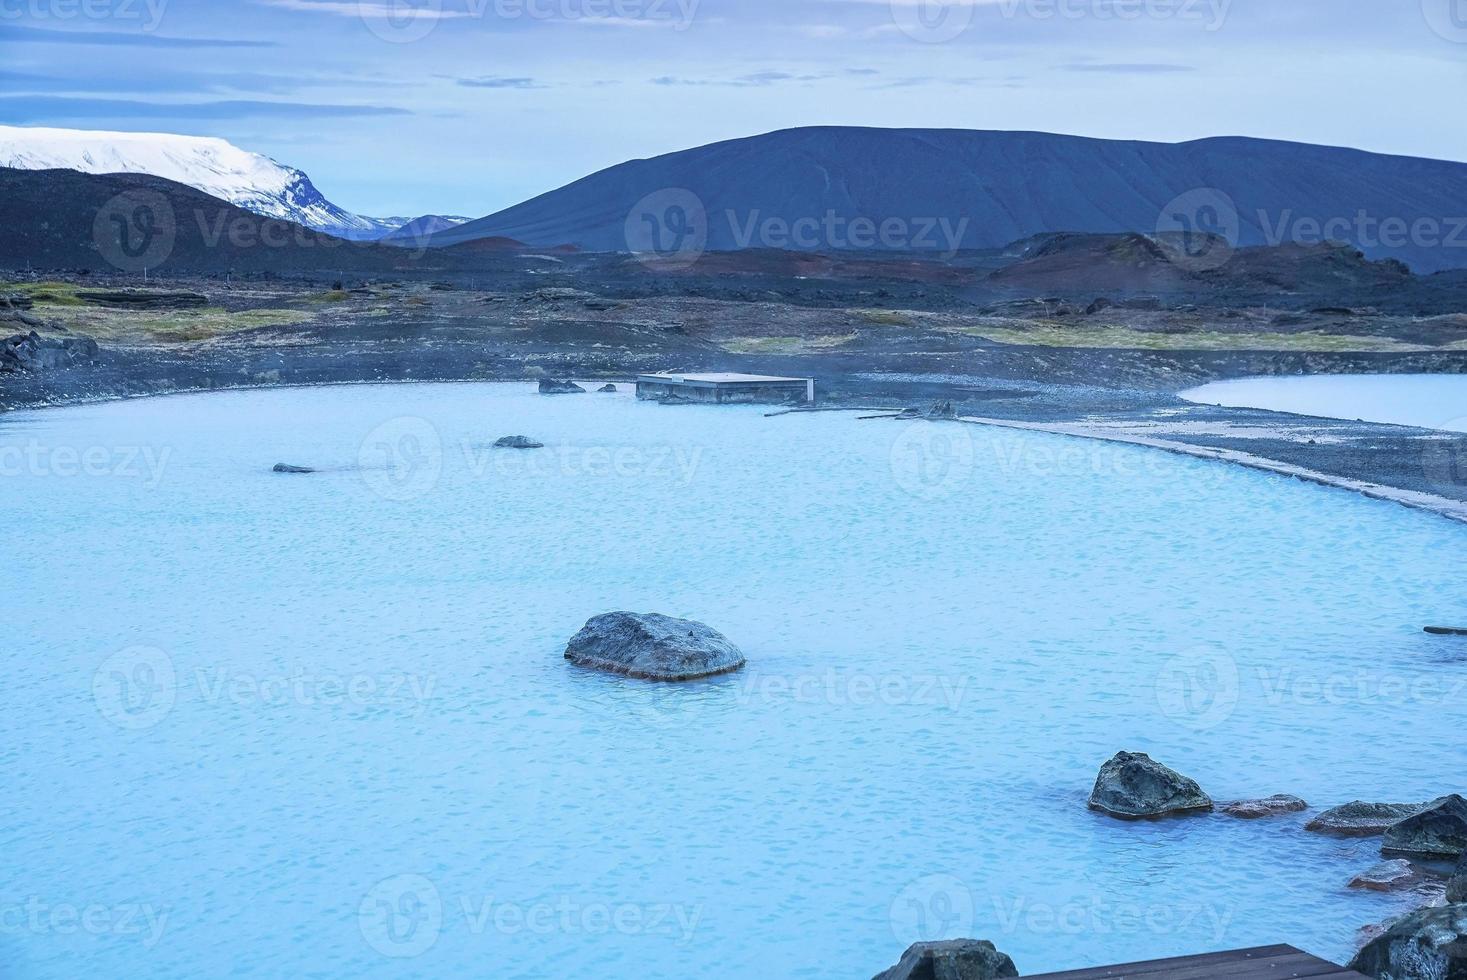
(413, 106)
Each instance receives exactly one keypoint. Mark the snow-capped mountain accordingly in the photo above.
(214, 166)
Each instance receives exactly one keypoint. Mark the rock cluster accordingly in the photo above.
(653, 647)
(953, 959)
(553, 386)
(1132, 786)
(144, 300)
(518, 442)
(29, 352)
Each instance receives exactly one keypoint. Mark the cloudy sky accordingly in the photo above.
(413, 106)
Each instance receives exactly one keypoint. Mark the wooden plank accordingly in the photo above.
(1279, 962)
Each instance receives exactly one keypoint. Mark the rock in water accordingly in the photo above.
(1387, 876)
(1269, 807)
(1132, 785)
(653, 647)
(607, 388)
(1430, 944)
(550, 386)
(1457, 887)
(953, 959)
(1438, 831)
(287, 468)
(1360, 819)
(518, 442)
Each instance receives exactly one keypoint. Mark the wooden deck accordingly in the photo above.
(1263, 963)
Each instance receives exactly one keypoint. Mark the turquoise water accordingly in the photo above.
(1431, 401)
(309, 726)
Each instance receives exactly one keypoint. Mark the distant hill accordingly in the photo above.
(982, 190)
(62, 219)
(214, 166)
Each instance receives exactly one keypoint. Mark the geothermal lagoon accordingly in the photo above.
(267, 724)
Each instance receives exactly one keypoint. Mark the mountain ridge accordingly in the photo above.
(1004, 186)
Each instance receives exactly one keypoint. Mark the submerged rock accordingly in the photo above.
(1132, 785)
(1430, 944)
(1387, 876)
(288, 468)
(551, 386)
(1438, 831)
(1267, 807)
(518, 442)
(1361, 819)
(952, 959)
(653, 647)
(607, 388)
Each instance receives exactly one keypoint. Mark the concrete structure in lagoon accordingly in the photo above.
(724, 389)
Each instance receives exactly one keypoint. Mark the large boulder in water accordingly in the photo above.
(1360, 819)
(552, 386)
(1439, 831)
(518, 442)
(1430, 944)
(1133, 785)
(653, 647)
(953, 959)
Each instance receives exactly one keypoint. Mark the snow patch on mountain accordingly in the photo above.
(215, 166)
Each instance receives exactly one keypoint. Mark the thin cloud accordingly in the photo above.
(1130, 69)
(365, 9)
(38, 35)
(499, 82)
(41, 108)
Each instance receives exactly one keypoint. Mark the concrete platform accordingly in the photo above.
(726, 388)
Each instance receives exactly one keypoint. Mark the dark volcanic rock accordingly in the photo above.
(1457, 887)
(550, 386)
(653, 647)
(1271, 806)
(16, 302)
(29, 352)
(518, 442)
(1360, 819)
(1133, 785)
(952, 959)
(607, 388)
(144, 300)
(1430, 944)
(1438, 831)
(1387, 876)
(288, 468)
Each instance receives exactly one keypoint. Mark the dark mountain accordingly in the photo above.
(934, 190)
